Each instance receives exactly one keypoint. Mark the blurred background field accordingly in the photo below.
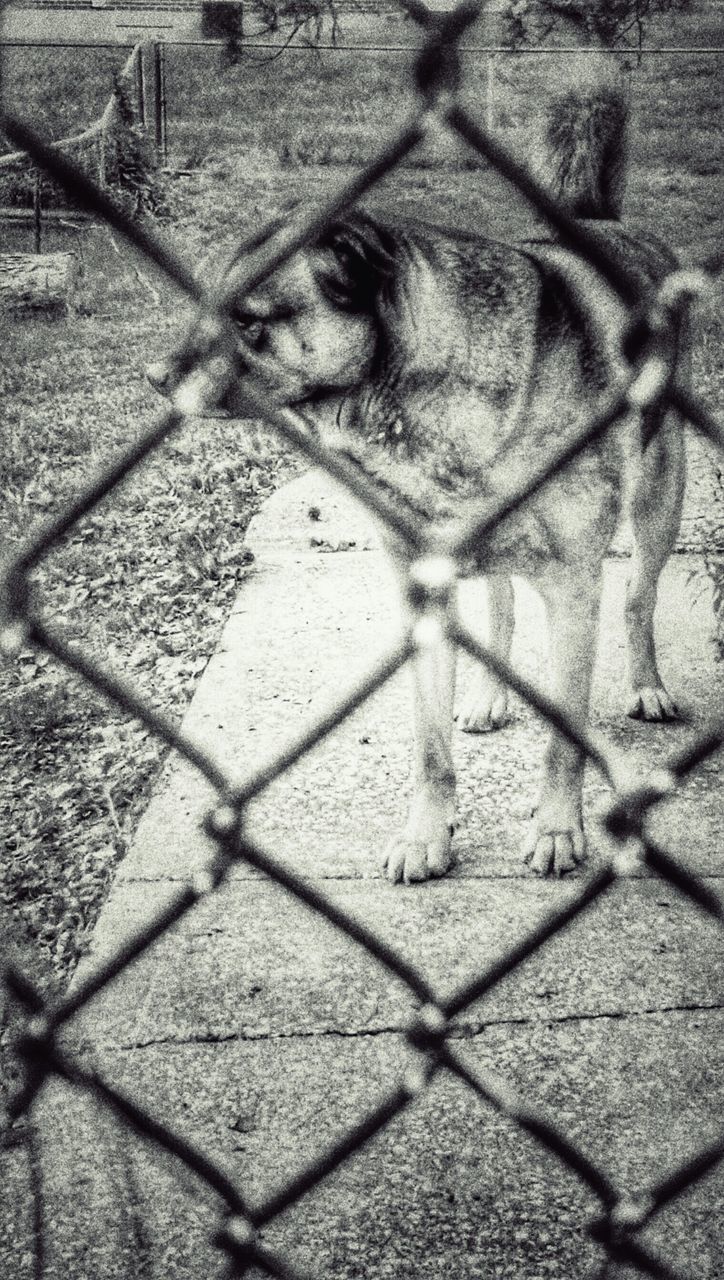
(330, 108)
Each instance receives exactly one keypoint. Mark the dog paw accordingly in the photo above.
(553, 853)
(483, 712)
(652, 702)
(409, 861)
(422, 850)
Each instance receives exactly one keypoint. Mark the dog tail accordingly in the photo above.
(584, 151)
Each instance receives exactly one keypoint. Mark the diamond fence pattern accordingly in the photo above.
(434, 559)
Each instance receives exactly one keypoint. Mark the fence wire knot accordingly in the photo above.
(428, 1029)
(626, 816)
(238, 1237)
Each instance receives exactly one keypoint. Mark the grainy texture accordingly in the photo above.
(44, 280)
(97, 1165)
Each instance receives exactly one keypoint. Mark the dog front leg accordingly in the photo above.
(557, 841)
(485, 705)
(422, 849)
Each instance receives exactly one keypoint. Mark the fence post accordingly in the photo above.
(159, 97)
(37, 211)
(140, 88)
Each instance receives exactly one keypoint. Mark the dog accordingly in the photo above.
(447, 364)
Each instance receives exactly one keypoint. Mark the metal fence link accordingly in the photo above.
(434, 558)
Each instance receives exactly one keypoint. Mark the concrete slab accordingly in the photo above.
(308, 625)
(262, 1033)
(251, 963)
(448, 1186)
(451, 1185)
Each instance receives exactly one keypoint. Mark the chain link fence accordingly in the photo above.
(434, 558)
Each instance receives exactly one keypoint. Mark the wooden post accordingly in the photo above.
(159, 97)
(37, 211)
(140, 89)
(155, 91)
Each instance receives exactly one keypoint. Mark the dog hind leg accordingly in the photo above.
(655, 519)
(485, 704)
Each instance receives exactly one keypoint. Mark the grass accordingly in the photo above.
(146, 581)
(305, 112)
(82, 80)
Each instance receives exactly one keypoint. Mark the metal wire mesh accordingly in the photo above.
(652, 376)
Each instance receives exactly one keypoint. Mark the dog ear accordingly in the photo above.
(357, 263)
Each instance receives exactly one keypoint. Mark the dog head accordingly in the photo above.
(316, 324)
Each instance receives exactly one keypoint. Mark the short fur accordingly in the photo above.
(447, 364)
(586, 151)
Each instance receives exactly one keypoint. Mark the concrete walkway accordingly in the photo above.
(259, 1031)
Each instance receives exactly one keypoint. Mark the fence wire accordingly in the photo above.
(435, 556)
